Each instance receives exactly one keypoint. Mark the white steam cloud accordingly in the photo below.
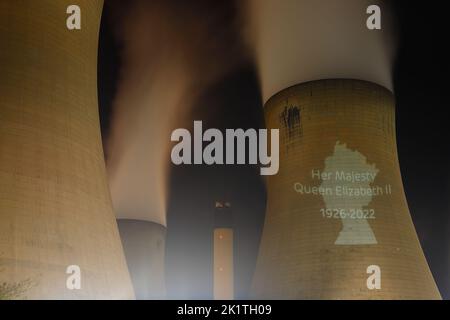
(296, 41)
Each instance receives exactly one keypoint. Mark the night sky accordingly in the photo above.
(420, 81)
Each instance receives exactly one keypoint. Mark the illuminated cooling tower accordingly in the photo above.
(337, 205)
(55, 207)
(337, 223)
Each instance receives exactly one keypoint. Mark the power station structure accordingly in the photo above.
(144, 244)
(337, 205)
(137, 146)
(223, 255)
(55, 206)
(337, 222)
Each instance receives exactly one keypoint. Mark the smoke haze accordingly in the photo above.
(296, 41)
(171, 52)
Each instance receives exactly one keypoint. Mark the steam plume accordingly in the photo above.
(296, 41)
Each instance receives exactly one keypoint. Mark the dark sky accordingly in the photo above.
(420, 80)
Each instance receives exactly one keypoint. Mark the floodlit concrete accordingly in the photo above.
(144, 246)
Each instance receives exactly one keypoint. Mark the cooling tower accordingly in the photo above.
(55, 207)
(223, 264)
(337, 223)
(144, 246)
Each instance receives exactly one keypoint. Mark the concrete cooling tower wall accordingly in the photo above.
(337, 208)
(55, 207)
(296, 41)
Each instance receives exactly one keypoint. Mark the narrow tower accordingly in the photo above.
(144, 244)
(55, 206)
